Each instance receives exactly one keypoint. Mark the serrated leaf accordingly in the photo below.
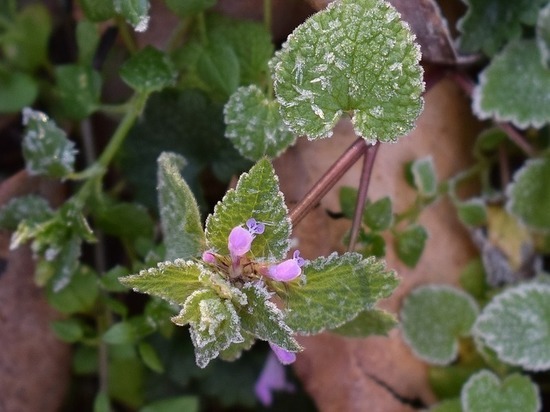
(214, 324)
(78, 89)
(148, 70)
(472, 212)
(378, 216)
(254, 124)
(136, 13)
(356, 58)
(489, 24)
(46, 149)
(409, 244)
(367, 323)
(256, 196)
(424, 176)
(514, 87)
(180, 403)
(173, 281)
(25, 42)
(433, 318)
(235, 350)
(179, 213)
(528, 195)
(189, 7)
(98, 10)
(18, 90)
(336, 289)
(516, 325)
(263, 319)
(486, 392)
(34, 209)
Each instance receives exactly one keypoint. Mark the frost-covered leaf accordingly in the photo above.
(543, 35)
(149, 70)
(235, 350)
(25, 42)
(98, 10)
(515, 87)
(516, 325)
(179, 212)
(486, 392)
(472, 212)
(528, 195)
(336, 289)
(489, 24)
(254, 124)
(79, 89)
(378, 216)
(136, 13)
(433, 318)
(31, 208)
(173, 281)
(354, 58)
(46, 149)
(424, 176)
(264, 319)
(409, 244)
(187, 8)
(256, 196)
(214, 324)
(18, 91)
(367, 323)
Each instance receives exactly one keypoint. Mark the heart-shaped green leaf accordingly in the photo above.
(149, 70)
(433, 318)
(354, 58)
(528, 195)
(485, 392)
(254, 124)
(516, 325)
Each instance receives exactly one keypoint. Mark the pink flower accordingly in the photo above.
(240, 239)
(208, 257)
(271, 379)
(284, 356)
(287, 270)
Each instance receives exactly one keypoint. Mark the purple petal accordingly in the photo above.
(285, 271)
(256, 228)
(239, 241)
(208, 257)
(272, 378)
(284, 356)
(300, 260)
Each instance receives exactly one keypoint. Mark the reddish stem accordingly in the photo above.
(366, 173)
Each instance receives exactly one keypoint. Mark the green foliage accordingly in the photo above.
(256, 196)
(179, 212)
(424, 176)
(79, 89)
(187, 8)
(254, 124)
(485, 392)
(31, 208)
(148, 71)
(136, 12)
(18, 91)
(128, 332)
(98, 10)
(87, 39)
(378, 216)
(180, 403)
(317, 304)
(529, 198)
(516, 325)
(78, 296)
(320, 74)
(448, 405)
(472, 212)
(514, 87)
(489, 24)
(46, 149)
(543, 35)
(433, 318)
(409, 244)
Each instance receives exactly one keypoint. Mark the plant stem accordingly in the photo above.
(328, 180)
(368, 163)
